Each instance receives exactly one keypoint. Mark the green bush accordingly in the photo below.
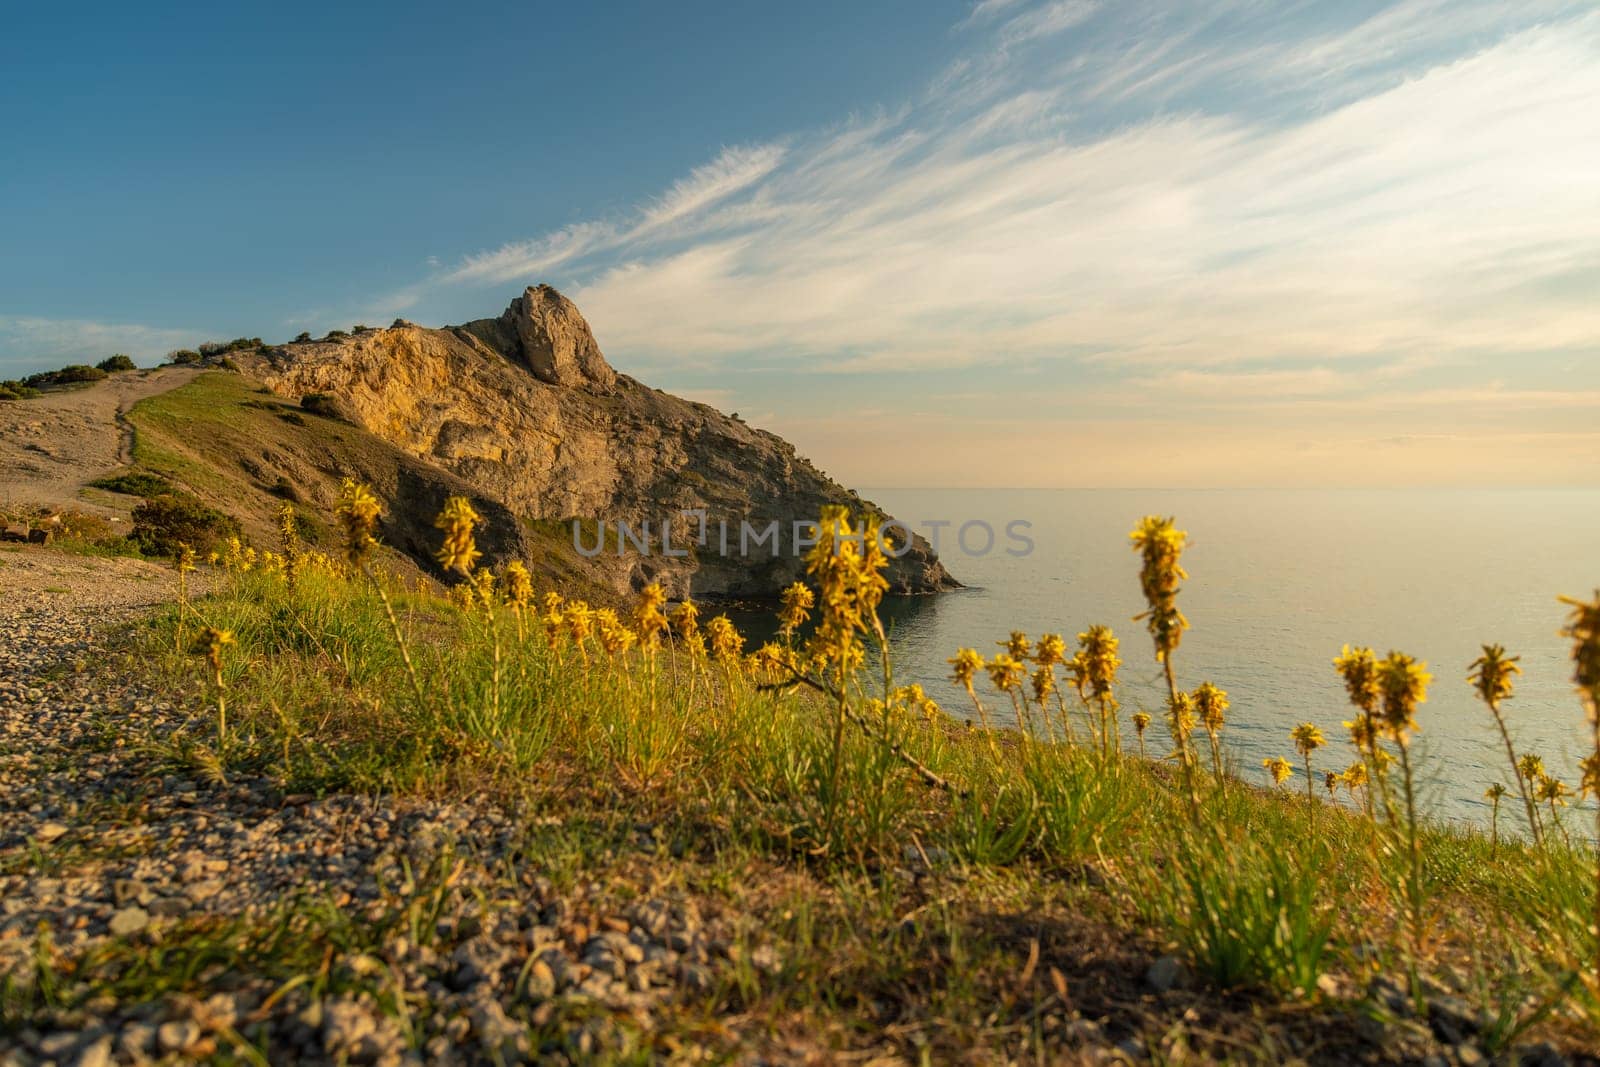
(135, 483)
(302, 337)
(74, 372)
(12, 389)
(118, 362)
(160, 523)
(183, 356)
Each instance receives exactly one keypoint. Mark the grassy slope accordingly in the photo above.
(908, 919)
(229, 442)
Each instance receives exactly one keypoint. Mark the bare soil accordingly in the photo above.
(53, 445)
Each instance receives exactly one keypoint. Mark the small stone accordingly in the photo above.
(1469, 1056)
(1164, 973)
(1328, 986)
(177, 1035)
(95, 1054)
(540, 983)
(50, 831)
(129, 921)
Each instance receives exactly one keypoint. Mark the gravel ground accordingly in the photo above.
(105, 848)
(190, 918)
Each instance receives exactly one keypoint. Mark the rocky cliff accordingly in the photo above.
(525, 408)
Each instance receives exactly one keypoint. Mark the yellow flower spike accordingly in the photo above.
(185, 558)
(516, 584)
(797, 602)
(1307, 738)
(1044, 683)
(1531, 766)
(1212, 704)
(1141, 722)
(1491, 673)
(1553, 791)
(1494, 793)
(726, 641)
(358, 512)
(1181, 718)
(1355, 776)
(648, 619)
(1403, 683)
(1330, 781)
(1280, 769)
(459, 552)
(1100, 661)
(1160, 545)
(1589, 783)
(209, 643)
(965, 664)
(1017, 645)
(1005, 673)
(1583, 629)
(1050, 651)
(1359, 669)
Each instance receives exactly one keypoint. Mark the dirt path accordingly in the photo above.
(52, 445)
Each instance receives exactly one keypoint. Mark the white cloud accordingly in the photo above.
(1273, 221)
(30, 343)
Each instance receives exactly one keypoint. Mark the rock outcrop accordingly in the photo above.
(525, 408)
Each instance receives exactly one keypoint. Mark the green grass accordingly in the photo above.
(1265, 892)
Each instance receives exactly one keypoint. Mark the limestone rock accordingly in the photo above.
(525, 410)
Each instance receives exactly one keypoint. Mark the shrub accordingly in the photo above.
(183, 356)
(135, 483)
(118, 362)
(325, 404)
(160, 523)
(302, 337)
(225, 363)
(334, 335)
(12, 389)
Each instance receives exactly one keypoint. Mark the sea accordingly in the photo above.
(1278, 581)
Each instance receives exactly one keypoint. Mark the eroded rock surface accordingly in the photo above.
(526, 409)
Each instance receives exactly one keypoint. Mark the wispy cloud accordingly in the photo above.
(1195, 204)
(27, 342)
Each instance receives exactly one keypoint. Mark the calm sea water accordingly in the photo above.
(1279, 580)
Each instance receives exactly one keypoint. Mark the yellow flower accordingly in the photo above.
(1141, 721)
(1359, 668)
(1589, 784)
(1553, 791)
(1280, 769)
(358, 513)
(1005, 672)
(459, 552)
(966, 663)
(1403, 683)
(1330, 781)
(1583, 627)
(726, 641)
(1044, 683)
(1363, 731)
(1017, 645)
(1355, 776)
(1494, 793)
(1050, 650)
(648, 618)
(517, 583)
(1160, 544)
(209, 643)
(185, 558)
(1307, 738)
(797, 602)
(1531, 767)
(1100, 662)
(1491, 673)
(1181, 718)
(1212, 703)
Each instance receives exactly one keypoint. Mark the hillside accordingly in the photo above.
(525, 408)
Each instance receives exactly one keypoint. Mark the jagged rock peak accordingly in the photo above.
(545, 332)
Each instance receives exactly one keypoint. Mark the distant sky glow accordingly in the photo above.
(1018, 243)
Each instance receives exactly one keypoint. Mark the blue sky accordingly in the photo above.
(1011, 242)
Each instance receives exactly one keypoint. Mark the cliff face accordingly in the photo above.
(525, 408)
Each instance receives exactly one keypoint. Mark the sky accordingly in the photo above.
(981, 242)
